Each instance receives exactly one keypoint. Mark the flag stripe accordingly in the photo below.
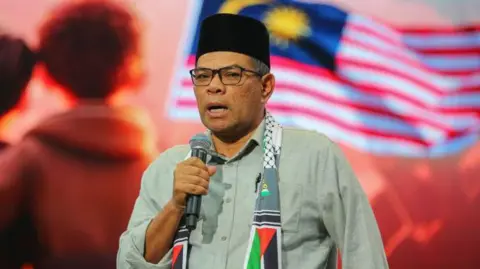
(442, 40)
(441, 30)
(255, 253)
(446, 63)
(270, 256)
(471, 52)
(178, 257)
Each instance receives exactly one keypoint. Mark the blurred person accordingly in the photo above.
(77, 173)
(252, 216)
(17, 62)
(16, 65)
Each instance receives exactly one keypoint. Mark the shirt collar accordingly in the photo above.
(258, 134)
(257, 138)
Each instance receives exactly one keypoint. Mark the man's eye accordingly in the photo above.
(232, 74)
(201, 76)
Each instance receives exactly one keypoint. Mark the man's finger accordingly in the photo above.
(193, 189)
(212, 170)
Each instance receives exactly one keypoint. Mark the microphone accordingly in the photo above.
(200, 145)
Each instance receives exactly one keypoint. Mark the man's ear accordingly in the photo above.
(268, 83)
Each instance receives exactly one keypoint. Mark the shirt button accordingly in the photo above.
(228, 200)
(224, 238)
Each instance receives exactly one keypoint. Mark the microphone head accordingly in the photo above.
(200, 141)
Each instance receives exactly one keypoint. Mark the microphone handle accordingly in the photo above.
(194, 202)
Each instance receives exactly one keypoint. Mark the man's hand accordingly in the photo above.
(191, 176)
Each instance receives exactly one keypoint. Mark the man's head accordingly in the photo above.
(91, 48)
(16, 65)
(232, 79)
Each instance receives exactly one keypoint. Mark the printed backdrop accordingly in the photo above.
(395, 82)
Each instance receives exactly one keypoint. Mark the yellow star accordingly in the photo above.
(287, 24)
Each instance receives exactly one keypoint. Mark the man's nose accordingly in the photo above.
(216, 86)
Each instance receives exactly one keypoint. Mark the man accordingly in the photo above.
(253, 215)
(76, 174)
(16, 66)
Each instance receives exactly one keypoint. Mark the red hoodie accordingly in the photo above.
(75, 178)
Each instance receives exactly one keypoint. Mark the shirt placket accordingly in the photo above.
(230, 171)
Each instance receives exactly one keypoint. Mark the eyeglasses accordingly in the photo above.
(229, 75)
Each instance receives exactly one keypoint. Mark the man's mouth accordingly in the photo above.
(217, 108)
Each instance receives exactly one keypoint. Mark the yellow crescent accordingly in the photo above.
(235, 6)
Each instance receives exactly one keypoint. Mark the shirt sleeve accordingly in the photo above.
(348, 216)
(155, 190)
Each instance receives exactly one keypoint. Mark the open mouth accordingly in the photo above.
(217, 108)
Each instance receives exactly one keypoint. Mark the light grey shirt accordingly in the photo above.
(323, 208)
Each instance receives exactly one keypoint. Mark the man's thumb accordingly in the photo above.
(212, 170)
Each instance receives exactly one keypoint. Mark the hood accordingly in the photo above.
(99, 131)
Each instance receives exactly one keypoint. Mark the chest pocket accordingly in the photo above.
(291, 205)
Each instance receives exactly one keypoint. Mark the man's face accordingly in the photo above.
(229, 109)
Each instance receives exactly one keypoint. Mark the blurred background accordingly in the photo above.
(399, 90)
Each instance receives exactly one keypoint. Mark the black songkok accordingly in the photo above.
(235, 33)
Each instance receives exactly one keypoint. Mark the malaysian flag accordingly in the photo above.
(363, 83)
